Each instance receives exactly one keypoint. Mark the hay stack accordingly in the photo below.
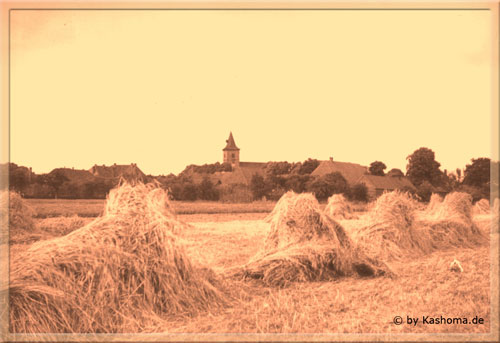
(304, 244)
(119, 273)
(481, 207)
(20, 216)
(388, 232)
(280, 205)
(339, 208)
(20, 213)
(434, 203)
(451, 224)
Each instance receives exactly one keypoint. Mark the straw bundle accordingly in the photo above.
(388, 232)
(304, 244)
(451, 224)
(339, 208)
(280, 205)
(481, 207)
(20, 214)
(434, 203)
(119, 273)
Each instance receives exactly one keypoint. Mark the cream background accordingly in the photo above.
(164, 88)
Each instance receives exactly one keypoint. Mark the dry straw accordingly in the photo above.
(120, 273)
(20, 214)
(481, 207)
(304, 244)
(450, 224)
(434, 203)
(280, 206)
(387, 231)
(339, 208)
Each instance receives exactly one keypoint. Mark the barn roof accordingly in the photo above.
(117, 170)
(386, 182)
(250, 168)
(231, 145)
(241, 174)
(74, 174)
(350, 171)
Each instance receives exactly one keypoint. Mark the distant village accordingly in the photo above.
(237, 181)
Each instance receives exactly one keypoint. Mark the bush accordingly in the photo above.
(259, 187)
(425, 190)
(235, 193)
(358, 192)
(308, 166)
(297, 183)
(207, 190)
(324, 186)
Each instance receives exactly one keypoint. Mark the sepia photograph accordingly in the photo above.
(249, 171)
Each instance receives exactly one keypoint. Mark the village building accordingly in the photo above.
(127, 171)
(356, 174)
(352, 172)
(242, 173)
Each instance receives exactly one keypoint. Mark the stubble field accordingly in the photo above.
(224, 236)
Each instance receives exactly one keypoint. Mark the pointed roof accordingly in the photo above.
(350, 171)
(231, 145)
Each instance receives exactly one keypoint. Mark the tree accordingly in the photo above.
(422, 166)
(208, 190)
(323, 187)
(297, 183)
(278, 168)
(425, 190)
(259, 187)
(18, 177)
(308, 166)
(55, 179)
(358, 192)
(478, 173)
(395, 172)
(459, 174)
(377, 168)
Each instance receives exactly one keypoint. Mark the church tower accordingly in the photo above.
(231, 152)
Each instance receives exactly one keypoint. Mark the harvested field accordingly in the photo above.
(387, 231)
(396, 228)
(218, 243)
(304, 244)
(450, 223)
(121, 272)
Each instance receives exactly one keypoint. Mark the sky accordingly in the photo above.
(163, 89)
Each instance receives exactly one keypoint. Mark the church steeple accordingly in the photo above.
(231, 153)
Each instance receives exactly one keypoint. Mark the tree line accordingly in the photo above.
(278, 177)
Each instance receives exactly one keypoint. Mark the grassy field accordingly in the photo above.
(222, 236)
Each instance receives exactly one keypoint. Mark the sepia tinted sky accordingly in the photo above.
(164, 88)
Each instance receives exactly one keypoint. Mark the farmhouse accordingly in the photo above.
(352, 172)
(356, 173)
(128, 171)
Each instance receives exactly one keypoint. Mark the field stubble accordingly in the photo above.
(424, 286)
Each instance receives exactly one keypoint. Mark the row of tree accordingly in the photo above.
(57, 185)
(278, 177)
